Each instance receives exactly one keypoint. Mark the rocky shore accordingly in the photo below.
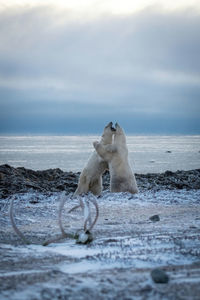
(21, 180)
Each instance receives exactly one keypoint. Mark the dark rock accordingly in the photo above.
(61, 187)
(159, 276)
(146, 288)
(168, 173)
(34, 201)
(154, 218)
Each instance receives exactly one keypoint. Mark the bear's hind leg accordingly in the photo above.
(96, 186)
(83, 186)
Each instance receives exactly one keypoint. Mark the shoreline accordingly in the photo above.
(22, 180)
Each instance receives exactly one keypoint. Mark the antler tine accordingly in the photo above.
(74, 208)
(61, 206)
(94, 201)
(16, 229)
(79, 205)
(87, 214)
(63, 233)
(62, 203)
(89, 217)
(85, 205)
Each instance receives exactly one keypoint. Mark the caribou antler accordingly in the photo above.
(85, 205)
(12, 219)
(62, 203)
(88, 214)
(63, 233)
(20, 234)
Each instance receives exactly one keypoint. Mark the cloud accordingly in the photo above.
(145, 65)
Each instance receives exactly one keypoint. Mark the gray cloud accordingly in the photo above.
(144, 67)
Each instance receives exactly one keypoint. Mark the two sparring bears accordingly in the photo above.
(111, 153)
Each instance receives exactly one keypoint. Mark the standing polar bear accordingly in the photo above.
(122, 178)
(91, 176)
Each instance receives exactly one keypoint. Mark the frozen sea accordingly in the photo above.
(147, 154)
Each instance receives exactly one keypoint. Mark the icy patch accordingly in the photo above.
(85, 266)
(17, 273)
(166, 197)
(69, 249)
(131, 252)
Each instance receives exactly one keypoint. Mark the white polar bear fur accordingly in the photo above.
(122, 178)
(91, 176)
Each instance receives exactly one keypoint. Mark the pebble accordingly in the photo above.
(159, 276)
(154, 218)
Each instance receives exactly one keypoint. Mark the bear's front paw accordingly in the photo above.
(95, 144)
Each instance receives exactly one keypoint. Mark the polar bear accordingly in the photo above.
(91, 176)
(122, 178)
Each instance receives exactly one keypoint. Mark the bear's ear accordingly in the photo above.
(109, 125)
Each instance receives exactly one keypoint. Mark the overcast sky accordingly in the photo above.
(72, 66)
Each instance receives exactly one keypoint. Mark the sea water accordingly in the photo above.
(147, 154)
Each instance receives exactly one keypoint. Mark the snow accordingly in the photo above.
(126, 240)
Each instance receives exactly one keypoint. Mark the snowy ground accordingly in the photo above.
(118, 263)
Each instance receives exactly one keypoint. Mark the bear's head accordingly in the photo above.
(108, 132)
(119, 137)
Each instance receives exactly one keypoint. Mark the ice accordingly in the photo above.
(166, 197)
(87, 266)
